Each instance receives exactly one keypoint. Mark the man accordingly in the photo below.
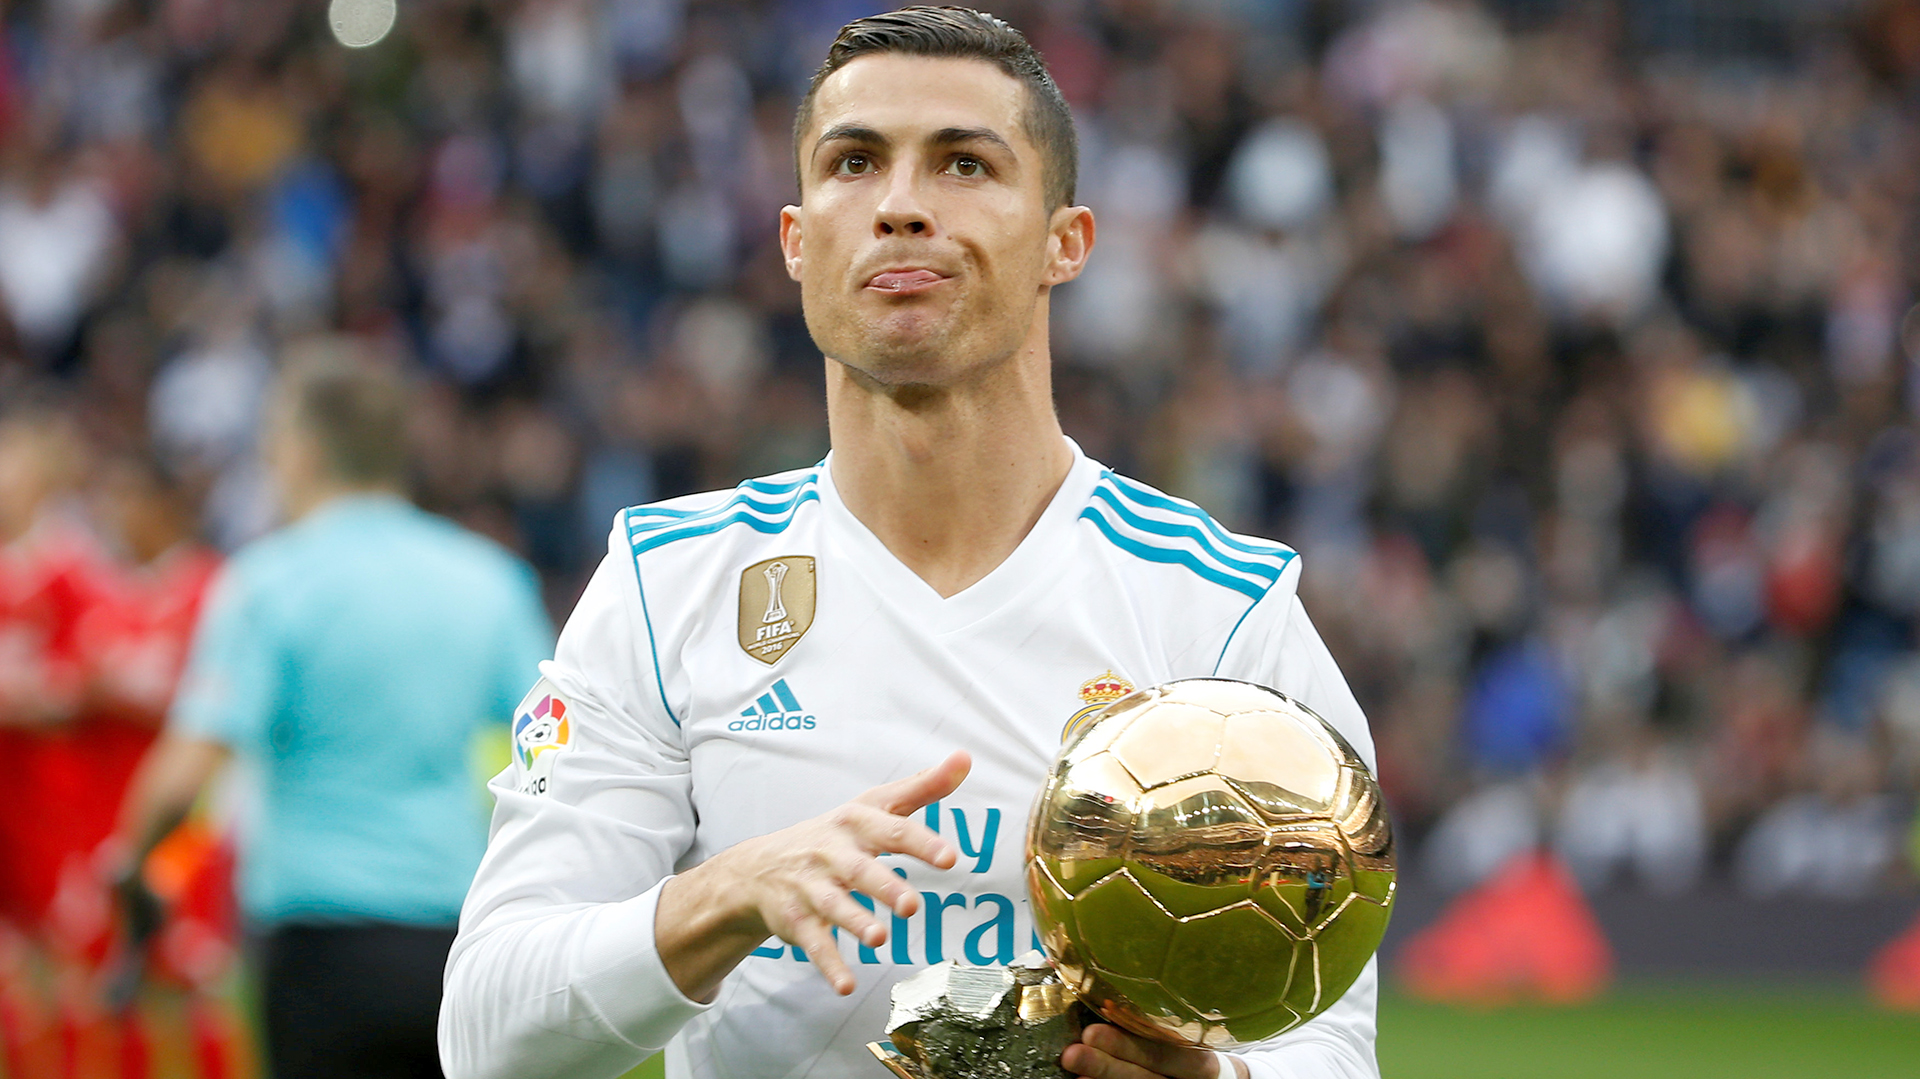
(135, 637)
(51, 576)
(51, 569)
(671, 867)
(349, 660)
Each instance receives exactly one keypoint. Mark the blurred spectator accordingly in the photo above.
(1638, 814)
(56, 237)
(1481, 833)
(349, 660)
(1837, 839)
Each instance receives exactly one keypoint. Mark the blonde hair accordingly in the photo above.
(354, 407)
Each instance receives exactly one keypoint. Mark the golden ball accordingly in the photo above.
(1210, 863)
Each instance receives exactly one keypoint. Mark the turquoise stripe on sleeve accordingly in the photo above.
(771, 488)
(659, 511)
(659, 684)
(670, 518)
(1172, 556)
(1147, 496)
(1266, 571)
(1235, 631)
(680, 530)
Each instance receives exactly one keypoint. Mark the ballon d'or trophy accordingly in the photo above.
(1209, 864)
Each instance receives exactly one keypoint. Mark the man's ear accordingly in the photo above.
(1069, 242)
(790, 239)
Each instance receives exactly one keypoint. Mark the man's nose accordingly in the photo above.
(901, 211)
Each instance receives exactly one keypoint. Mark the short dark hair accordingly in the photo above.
(965, 34)
(353, 407)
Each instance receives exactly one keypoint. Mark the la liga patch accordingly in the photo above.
(541, 729)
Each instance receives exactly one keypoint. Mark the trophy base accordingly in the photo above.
(895, 1061)
(955, 1022)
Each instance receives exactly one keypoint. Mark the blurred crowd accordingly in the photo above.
(1580, 368)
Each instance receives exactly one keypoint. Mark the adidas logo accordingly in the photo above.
(776, 710)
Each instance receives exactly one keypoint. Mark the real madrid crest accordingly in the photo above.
(1095, 693)
(776, 606)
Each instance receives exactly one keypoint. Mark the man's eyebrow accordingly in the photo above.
(949, 136)
(851, 133)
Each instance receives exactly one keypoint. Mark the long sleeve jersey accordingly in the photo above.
(745, 660)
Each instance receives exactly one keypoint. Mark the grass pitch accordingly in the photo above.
(1664, 1031)
(1669, 1031)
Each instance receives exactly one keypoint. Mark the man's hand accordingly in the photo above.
(140, 915)
(795, 884)
(1107, 1052)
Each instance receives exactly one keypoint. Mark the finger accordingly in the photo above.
(838, 907)
(1150, 1057)
(903, 796)
(879, 832)
(871, 877)
(1084, 1060)
(812, 936)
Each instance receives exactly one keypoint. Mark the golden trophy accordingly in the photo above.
(1209, 864)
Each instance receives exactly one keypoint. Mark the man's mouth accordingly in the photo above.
(905, 282)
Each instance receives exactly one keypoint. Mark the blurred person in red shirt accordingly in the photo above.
(134, 636)
(94, 625)
(130, 634)
(50, 568)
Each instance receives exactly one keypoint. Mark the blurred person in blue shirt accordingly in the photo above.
(348, 661)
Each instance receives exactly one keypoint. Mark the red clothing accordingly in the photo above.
(112, 642)
(136, 634)
(133, 639)
(48, 580)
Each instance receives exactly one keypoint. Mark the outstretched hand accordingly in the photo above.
(796, 884)
(1107, 1052)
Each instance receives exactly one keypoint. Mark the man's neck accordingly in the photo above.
(306, 499)
(950, 479)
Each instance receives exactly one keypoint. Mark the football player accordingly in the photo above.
(701, 859)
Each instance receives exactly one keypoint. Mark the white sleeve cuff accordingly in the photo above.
(629, 986)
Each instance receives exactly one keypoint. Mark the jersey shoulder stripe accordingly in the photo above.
(769, 489)
(1147, 496)
(1159, 528)
(766, 506)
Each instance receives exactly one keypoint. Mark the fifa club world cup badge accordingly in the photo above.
(776, 606)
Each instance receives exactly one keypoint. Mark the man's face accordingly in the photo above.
(923, 241)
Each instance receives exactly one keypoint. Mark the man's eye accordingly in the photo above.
(967, 166)
(854, 165)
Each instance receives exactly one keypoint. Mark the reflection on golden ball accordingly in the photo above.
(1210, 863)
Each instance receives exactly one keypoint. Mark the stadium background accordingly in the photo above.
(1573, 344)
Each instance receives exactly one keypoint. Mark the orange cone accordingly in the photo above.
(1894, 975)
(1525, 934)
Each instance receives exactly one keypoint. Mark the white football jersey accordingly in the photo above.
(744, 660)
